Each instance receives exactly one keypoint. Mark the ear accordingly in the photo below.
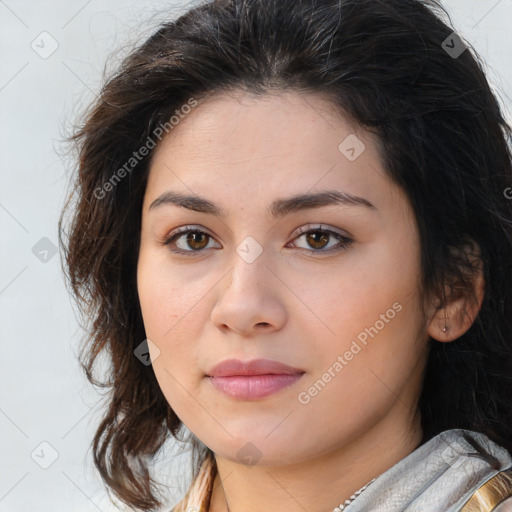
(462, 305)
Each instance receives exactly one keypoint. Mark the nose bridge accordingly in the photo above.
(249, 264)
(246, 298)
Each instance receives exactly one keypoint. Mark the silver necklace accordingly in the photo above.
(342, 506)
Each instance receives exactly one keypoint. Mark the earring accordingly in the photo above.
(445, 327)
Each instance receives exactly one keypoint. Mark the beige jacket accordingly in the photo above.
(456, 471)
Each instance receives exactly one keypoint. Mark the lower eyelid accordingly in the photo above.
(173, 237)
(343, 240)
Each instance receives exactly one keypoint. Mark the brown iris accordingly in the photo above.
(315, 237)
(194, 236)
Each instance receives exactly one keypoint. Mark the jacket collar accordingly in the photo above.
(440, 475)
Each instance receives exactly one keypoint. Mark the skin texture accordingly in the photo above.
(291, 304)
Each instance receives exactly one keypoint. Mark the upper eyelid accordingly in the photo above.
(319, 227)
(298, 231)
(176, 233)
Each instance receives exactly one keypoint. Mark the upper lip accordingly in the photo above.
(231, 367)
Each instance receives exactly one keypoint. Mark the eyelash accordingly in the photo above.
(178, 233)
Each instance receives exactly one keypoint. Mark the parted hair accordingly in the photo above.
(444, 141)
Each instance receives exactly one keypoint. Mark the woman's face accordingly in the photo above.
(260, 280)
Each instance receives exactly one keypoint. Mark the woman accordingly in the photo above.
(293, 236)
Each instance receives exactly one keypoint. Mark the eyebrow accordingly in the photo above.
(278, 208)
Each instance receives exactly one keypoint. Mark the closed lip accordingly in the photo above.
(233, 367)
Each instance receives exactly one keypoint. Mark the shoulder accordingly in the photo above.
(198, 496)
(494, 495)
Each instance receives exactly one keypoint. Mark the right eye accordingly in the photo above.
(191, 240)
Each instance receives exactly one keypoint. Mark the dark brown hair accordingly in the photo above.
(385, 64)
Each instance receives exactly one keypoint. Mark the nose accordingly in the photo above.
(250, 299)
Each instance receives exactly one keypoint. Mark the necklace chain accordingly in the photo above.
(342, 506)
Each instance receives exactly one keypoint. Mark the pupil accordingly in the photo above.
(192, 237)
(317, 236)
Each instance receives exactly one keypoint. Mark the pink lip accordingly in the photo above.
(252, 379)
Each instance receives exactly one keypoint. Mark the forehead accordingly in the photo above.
(262, 120)
(234, 144)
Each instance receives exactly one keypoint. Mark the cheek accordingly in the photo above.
(167, 295)
(167, 310)
(371, 317)
(158, 306)
(349, 300)
(172, 312)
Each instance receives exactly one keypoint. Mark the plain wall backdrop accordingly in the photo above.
(53, 56)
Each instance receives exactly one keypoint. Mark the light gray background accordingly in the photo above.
(44, 398)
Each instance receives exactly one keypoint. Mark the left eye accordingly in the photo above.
(318, 237)
(195, 240)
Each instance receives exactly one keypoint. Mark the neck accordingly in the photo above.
(319, 484)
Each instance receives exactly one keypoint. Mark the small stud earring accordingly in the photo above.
(445, 327)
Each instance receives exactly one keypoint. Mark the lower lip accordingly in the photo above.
(252, 387)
